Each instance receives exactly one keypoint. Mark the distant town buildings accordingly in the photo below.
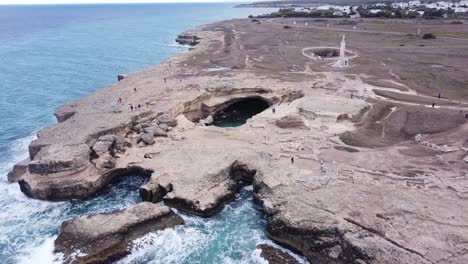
(411, 9)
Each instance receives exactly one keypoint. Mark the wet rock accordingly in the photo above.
(58, 158)
(292, 121)
(105, 238)
(153, 191)
(147, 138)
(275, 256)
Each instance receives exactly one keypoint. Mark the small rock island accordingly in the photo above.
(362, 163)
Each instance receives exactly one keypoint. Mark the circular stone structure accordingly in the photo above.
(326, 53)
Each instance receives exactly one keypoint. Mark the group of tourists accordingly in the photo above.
(138, 106)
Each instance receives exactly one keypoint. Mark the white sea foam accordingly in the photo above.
(166, 246)
(228, 237)
(18, 151)
(257, 259)
(178, 45)
(40, 253)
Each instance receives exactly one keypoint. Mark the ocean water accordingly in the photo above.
(52, 54)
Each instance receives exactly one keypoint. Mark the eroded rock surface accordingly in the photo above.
(56, 158)
(292, 121)
(371, 180)
(105, 238)
(275, 256)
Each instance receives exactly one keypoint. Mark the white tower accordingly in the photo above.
(342, 60)
(343, 47)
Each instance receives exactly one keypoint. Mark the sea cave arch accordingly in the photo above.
(235, 112)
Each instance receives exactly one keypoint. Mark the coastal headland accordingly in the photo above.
(362, 164)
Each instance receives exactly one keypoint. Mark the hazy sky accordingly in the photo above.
(107, 1)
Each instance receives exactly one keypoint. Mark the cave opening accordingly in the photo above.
(237, 113)
(327, 52)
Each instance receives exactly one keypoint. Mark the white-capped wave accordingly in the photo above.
(41, 253)
(17, 151)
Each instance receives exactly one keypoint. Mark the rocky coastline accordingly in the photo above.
(344, 175)
(105, 238)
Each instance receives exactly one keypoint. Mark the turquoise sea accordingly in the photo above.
(51, 54)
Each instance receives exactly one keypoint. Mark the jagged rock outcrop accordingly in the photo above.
(58, 158)
(18, 170)
(187, 40)
(164, 127)
(224, 185)
(147, 138)
(159, 132)
(167, 120)
(121, 77)
(105, 238)
(207, 121)
(275, 256)
(103, 144)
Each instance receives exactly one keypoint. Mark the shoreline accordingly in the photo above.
(305, 201)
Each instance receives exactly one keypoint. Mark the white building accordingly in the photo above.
(461, 10)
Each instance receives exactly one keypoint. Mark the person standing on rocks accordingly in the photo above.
(131, 107)
(292, 160)
(433, 105)
(139, 106)
(119, 100)
(274, 110)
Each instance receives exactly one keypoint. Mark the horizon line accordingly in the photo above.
(114, 3)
